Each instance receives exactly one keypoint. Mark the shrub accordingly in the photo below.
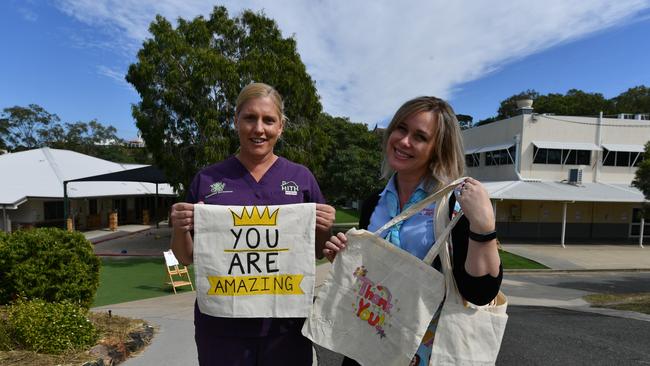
(47, 327)
(49, 264)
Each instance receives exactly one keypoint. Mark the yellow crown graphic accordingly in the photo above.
(255, 218)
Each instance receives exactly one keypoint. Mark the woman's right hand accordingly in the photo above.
(334, 245)
(182, 216)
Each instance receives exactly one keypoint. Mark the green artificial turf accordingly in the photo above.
(126, 279)
(513, 261)
(123, 279)
(346, 215)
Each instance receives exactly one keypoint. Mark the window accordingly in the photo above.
(53, 210)
(561, 156)
(92, 207)
(621, 158)
(500, 157)
(472, 159)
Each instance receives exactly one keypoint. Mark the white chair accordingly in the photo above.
(176, 271)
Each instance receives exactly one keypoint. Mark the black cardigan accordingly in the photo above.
(477, 290)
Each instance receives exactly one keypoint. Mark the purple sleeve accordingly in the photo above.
(316, 194)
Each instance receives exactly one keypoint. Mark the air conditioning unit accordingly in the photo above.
(575, 176)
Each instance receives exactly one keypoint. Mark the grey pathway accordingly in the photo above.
(584, 257)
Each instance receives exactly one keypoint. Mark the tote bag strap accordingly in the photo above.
(452, 292)
(438, 196)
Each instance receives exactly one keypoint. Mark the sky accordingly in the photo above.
(366, 57)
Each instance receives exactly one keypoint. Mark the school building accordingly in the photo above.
(562, 178)
(32, 191)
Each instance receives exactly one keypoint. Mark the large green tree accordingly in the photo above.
(633, 100)
(22, 128)
(353, 160)
(188, 78)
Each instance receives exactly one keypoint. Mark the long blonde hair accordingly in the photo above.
(447, 161)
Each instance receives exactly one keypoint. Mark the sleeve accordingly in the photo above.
(192, 195)
(314, 195)
(367, 208)
(477, 290)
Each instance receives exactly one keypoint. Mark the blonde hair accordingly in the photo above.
(260, 90)
(447, 161)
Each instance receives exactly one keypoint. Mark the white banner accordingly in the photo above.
(255, 261)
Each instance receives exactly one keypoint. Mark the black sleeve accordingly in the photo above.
(367, 208)
(477, 290)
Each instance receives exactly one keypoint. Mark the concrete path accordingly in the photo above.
(584, 257)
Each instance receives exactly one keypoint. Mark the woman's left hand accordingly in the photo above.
(324, 216)
(475, 202)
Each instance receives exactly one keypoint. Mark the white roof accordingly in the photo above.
(557, 191)
(41, 172)
(624, 147)
(566, 145)
(480, 149)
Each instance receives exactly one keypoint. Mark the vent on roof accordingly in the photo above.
(575, 176)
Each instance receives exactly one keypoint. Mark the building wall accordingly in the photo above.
(567, 129)
(501, 132)
(542, 220)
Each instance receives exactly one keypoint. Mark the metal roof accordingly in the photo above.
(41, 173)
(624, 147)
(558, 191)
(480, 149)
(566, 145)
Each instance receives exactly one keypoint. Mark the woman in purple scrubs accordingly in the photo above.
(254, 176)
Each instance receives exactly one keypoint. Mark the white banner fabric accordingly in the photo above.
(255, 261)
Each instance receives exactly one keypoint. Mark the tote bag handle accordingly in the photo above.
(440, 195)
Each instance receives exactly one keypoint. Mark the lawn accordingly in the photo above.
(346, 215)
(513, 261)
(639, 302)
(127, 279)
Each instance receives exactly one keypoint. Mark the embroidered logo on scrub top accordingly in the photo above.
(290, 188)
(217, 188)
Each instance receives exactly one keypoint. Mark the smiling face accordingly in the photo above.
(410, 144)
(259, 125)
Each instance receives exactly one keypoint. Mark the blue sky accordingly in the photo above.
(366, 57)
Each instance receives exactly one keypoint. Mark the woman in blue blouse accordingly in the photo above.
(423, 152)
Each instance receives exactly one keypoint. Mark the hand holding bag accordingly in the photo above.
(467, 334)
(378, 300)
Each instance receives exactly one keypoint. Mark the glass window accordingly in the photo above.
(554, 156)
(472, 160)
(569, 157)
(609, 157)
(583, 157)
(92, 207)
(500, 157)
(622, 158)
(53, 210)
(540, 155)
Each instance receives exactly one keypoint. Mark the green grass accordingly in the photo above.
(128, 279)
(639, 302)
(513, 261)
(346, 215)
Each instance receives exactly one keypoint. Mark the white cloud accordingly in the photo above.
(114, 74)
(28, 14)
(367, 57)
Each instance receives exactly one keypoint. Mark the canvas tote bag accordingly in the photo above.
(378, 300)
(255, 261)
(467, 334)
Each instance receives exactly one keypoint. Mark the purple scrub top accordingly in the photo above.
(230, 183)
